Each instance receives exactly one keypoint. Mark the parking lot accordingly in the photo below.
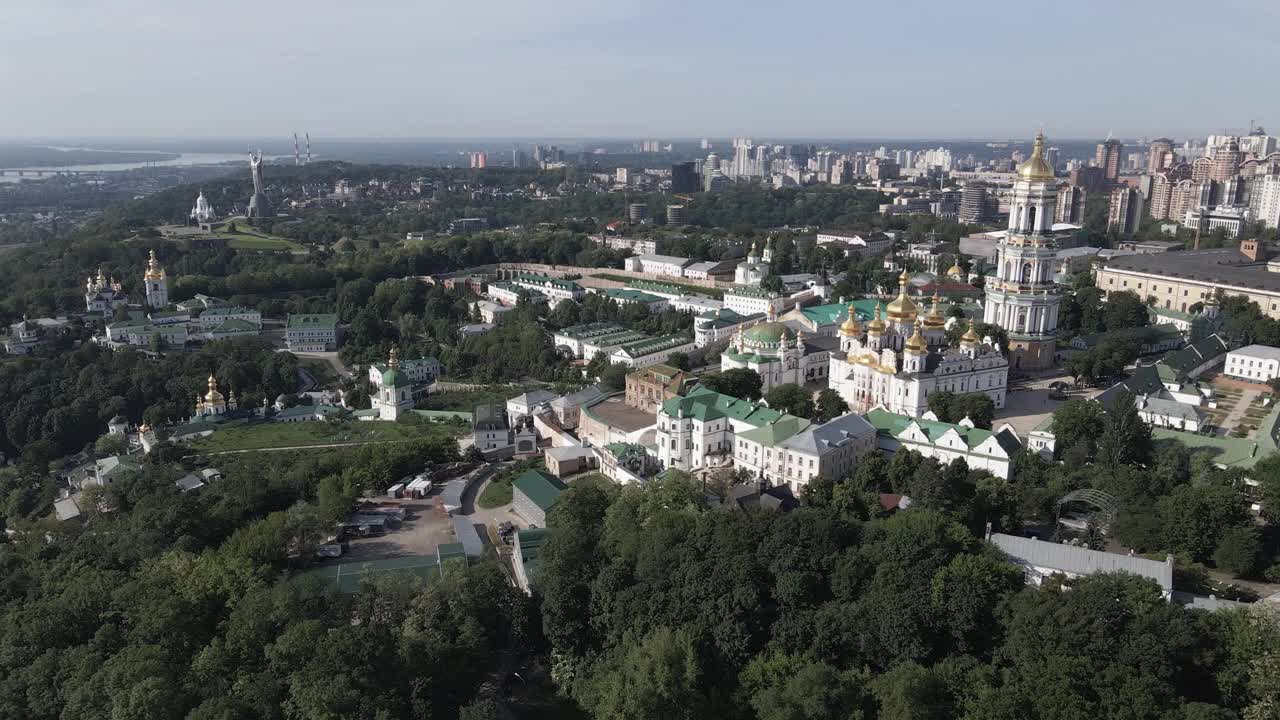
(419, 534)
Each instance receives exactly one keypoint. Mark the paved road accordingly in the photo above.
(1234, 417)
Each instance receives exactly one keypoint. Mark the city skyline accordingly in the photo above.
(576, 69)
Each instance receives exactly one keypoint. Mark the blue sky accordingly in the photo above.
(450, 68)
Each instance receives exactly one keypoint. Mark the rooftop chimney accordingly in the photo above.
(1252, 249)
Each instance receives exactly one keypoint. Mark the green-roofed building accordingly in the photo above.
(981, 449)
(650, 351)
(555, 289)
(750, 300)
(700, 428)
(534, 493)
(827, 319)
(627, 296)
(528, 545)
(312, 332)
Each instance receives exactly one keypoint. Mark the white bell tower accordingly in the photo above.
(1023, 298)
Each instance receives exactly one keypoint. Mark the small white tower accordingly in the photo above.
(156, 283)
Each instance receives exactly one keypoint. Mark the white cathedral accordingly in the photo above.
(899, 361)
(756, 268)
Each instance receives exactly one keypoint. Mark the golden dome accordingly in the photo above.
(868, 358)
(902, 308)
(934, 319)
(876, 326)
(154, 271)
(886, 369)
(1035, 169)
(916, 344)
(851, 327)
(971, 335)
(955, 270)
(213, 396)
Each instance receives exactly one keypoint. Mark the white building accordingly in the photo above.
(778, 354)
(530, 403)
(698, 430)
(658, 264)
(202, 212)
(1022, 298)
(216, 316)
(899, 363)
(720, 325)
(103, 296)
(586, 341)
(491, 312)
(706, 270)
(26, 335)
(312, 332)
(1256, 363)
(865, 244)
(696, 304)
(746, 300)
(555, 289)
(756, 267)
(792, 452)
(650, 351)
(1264, 199)
(980, 449)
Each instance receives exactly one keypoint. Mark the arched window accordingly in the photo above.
(1031, 218)
(1026, 273)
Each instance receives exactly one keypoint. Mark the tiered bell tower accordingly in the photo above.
(157, 284)
(1023, 298)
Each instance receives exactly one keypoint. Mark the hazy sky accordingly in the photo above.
(602, 68)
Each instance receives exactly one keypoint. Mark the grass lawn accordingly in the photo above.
(468, 399)
(689, 289)
(246, 241)
(259, 435)
(499, 492)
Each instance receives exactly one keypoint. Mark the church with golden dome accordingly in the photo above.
(778, 354)
(213, 403)
(901, 357)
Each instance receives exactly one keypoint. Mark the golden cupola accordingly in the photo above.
(213, 396)
(876, 326)
(851, 327)
(934, 319)
(1036, 168)
(970, 336)
(902, 309)
(154, 271)
(916, 344)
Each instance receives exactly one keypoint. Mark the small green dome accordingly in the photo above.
(394, 378)
(768, 334)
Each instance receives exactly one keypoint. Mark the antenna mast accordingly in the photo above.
(297, 159)
(308, 148)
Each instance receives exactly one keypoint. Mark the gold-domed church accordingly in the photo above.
(214, 403)
(778, 354)
(901, 357)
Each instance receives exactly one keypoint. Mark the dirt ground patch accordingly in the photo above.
(419, 534)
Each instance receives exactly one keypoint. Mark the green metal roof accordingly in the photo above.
(648, 345)
(893, 424)
(541, 487)
(836, 313)
(547, 281)
(313, 320)
(703, 404)
(749, 291)
(591, 330)
(775, 432)
(632, 295)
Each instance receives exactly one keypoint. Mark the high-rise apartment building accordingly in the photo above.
(684, 177)
(1070, 208)
(976, 205)
(1108, 158)
(1092, 179)
(1225, 161)
(479, 159)
(1159, 155)
(1264, 199)
(1125, 211)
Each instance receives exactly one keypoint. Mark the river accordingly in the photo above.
(184, 159)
